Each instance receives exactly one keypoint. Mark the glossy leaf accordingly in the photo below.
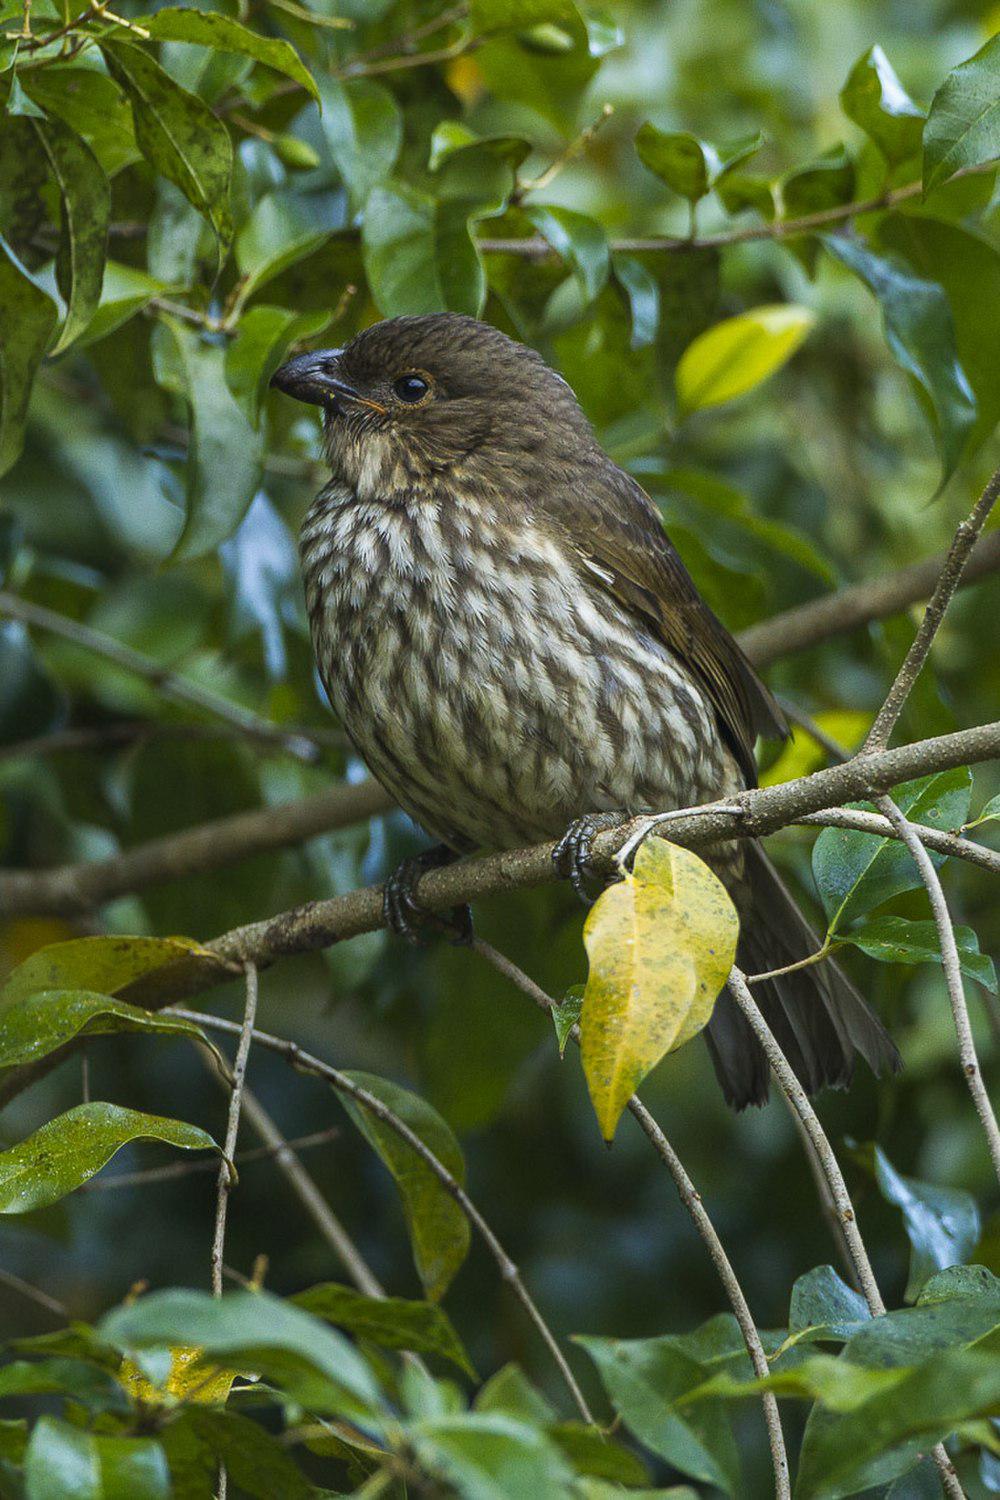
(86, 211)
(920, 332)
(393, 1322)
(225, 455)
(177, 132)
(735, 356)
(91, 104)
(823, 1306)
(254, 1330)
(899, 940)
(644, 1379)
(580, 241)
(66, 1463)
(643, 293)
(176, 23)
(660, 944)
(28, 317)
(263, 340)
(364, 130)
(874, 99)
(439, 1231)
(566, 1015)
(988, 813)
(67, 1151)
(281, 231)
(942, 1223)
(37, 1024)
(104, 964)
(857, 872)
(963, 125)
(691, 167)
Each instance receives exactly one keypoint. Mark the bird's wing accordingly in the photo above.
(625, 551)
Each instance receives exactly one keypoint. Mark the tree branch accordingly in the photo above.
(78, 888)
(953, 977)
(304, 1062)
(226, 1168)
(956, 845)
(302, 743)
(850, 608)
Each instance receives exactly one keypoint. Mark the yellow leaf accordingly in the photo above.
(660, 946)
(801, 754)
(730, 359)
(190, 1379)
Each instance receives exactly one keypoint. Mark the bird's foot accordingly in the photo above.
(573, 854)
(404, 914)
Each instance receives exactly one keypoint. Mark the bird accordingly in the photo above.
(516, 650)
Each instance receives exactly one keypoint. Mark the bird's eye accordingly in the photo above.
(411, 388)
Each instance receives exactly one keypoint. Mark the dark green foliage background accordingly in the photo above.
(826, 475)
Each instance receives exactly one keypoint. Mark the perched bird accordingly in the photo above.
(515, 648)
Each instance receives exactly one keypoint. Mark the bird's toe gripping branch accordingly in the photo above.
(573, 854)
(407, 918)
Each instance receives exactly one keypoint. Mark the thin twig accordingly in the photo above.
(35, 1293)
(306, 1063)
(310, 1197)
(302, 743)
(172, 1170)
(225, 1184)
(953, 977)
(796, 1096)
(955, 845)
(958, 555)
(578, 144)
(692, 1201)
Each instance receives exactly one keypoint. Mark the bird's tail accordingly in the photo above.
(816, 1014)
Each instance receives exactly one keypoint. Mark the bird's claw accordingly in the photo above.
(407, 918)
(572, 855)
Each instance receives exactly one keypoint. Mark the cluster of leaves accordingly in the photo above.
(185, 197)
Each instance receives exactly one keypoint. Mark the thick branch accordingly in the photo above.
(78, 888)
(848, 609)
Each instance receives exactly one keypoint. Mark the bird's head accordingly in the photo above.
(412, 397)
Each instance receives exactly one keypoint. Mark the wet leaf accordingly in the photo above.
(67, 1151)
(439, 1231)
(37, 1024)
(660, 945)
(735, 356)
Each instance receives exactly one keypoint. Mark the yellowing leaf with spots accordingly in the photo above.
(738, 354)
(660, 946)
(191, 1378)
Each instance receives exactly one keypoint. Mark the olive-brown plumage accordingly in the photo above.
(512, 642)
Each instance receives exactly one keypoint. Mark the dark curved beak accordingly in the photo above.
(313, 378)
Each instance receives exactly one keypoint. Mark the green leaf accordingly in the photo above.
(211, 29)
(874, 99)
(487, 1454)
(439, 1231)
(988, 813)
(252, 1330)
(920, 333)
(92, 105)
(643, 293)
(691, 167)
(591, 1451)
(179, 135)
(942, 1223)
(67, 1151)
(899, 940)
(580, 241)
(37, 1024)
(517, 15)
(280, 231)
(104, 964)
(566, 1015)
(79, 1379)
(28, 317)
(363, 127)
(660, 944)
(65, 1463)
(225, 456)
(125, 291)
(856, 872)
(23, 174)
(644, 1379)
(263, 339)
(393, 1322)
(738, 354)
(86, 211)
(418, 254)
(825, 1307)
(963, 126)
(255, 1460)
